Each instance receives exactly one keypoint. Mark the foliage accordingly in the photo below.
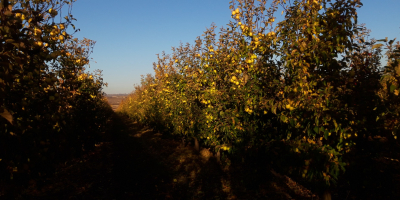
(57, 107)
(308, 90)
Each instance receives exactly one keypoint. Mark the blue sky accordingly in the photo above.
(129, 33)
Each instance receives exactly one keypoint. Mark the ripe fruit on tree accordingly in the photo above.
(37, 31)
(39, 43)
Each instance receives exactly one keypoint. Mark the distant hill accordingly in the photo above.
(121, 94)
(115, 99)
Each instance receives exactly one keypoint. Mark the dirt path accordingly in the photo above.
(137, 163)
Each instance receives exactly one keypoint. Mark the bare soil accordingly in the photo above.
(135, 162)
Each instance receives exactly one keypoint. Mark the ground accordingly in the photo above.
(135, 162)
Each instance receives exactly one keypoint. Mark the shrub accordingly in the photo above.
(308, 90)
(55, 104)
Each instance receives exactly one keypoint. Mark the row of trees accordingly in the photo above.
(309, 90)
(51, 107)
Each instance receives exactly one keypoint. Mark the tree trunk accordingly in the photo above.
(218, 156)
(327, 195)
(196, 145)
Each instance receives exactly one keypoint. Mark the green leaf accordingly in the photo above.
(291, 122)
(326, 134)
(334, 121)
(392, 88)
(274, 109)
(316, 129)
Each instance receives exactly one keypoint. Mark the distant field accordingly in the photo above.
(115, 99)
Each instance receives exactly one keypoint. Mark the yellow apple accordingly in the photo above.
(39, 43)
(53, 13)
(37, 31)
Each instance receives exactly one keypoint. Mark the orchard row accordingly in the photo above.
(51, 107)
(310, 89)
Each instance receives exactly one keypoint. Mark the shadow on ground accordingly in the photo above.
(135, 162)
(149, 165)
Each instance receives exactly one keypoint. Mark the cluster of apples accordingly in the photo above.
(236, 14)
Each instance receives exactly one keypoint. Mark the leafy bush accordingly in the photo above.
(56, 106)
(308, 90)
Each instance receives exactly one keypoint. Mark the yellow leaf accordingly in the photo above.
(375, 46)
